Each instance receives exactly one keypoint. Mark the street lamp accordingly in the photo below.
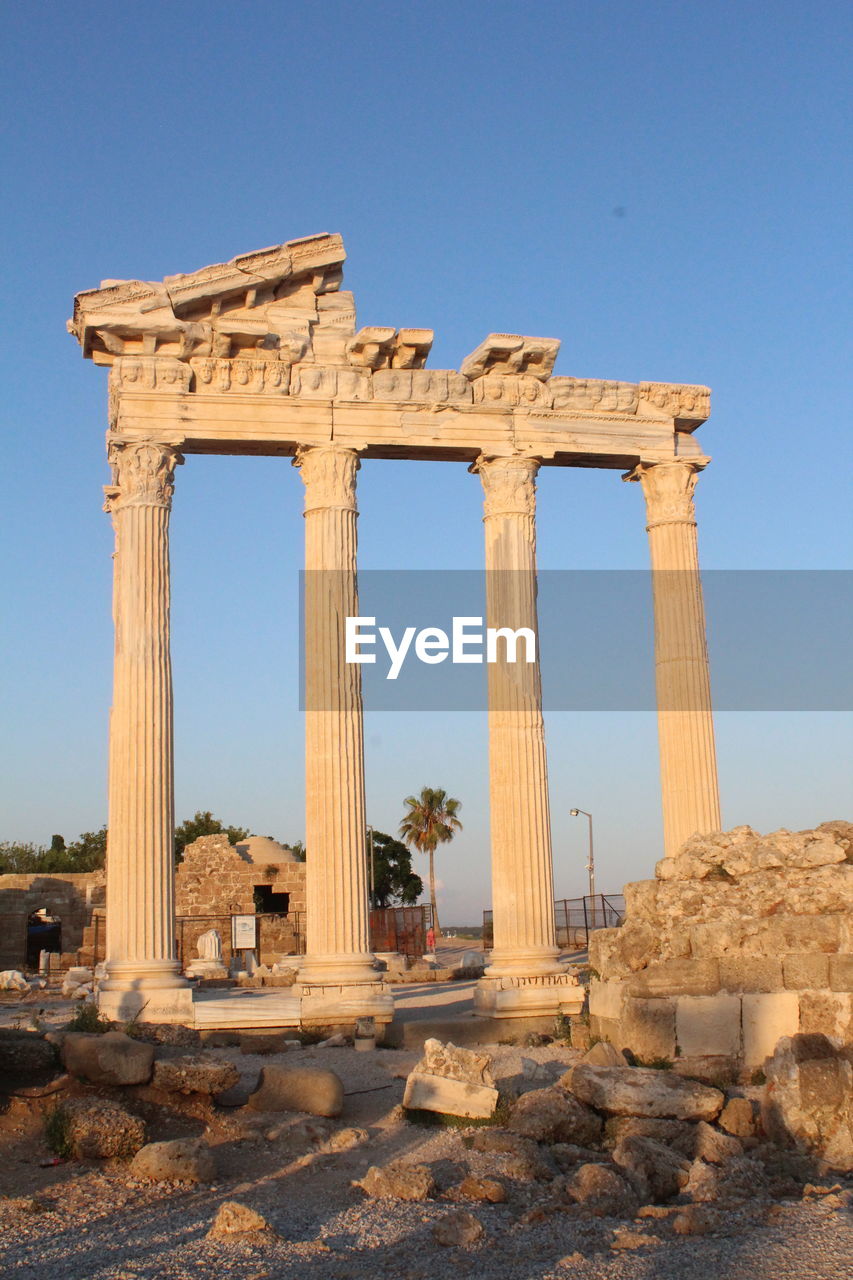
(590, 866)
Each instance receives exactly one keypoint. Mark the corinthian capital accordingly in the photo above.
(143, 474)
(509, 485)
(328, 473)
(668, 490)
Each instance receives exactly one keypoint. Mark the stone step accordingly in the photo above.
(246, 1009)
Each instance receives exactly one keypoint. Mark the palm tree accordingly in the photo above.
(430, 820)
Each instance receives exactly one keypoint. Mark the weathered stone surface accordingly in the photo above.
(457, 1229)
(310, 1089)
(524, 1158)
(738, 1180)
(639, 1091)
(764, 1020)
(841, 972)
(679, 1135)
(656, 1173)
(486, 1190)
(345, 1139)
(453, 1081)
(195, 1073)
(809, 1098)
(750, 973)
(648, 1028)
(182, 1160)
(23, 1052)
(828, 1013)
(695, 1220)
(804, 972)
(552, 1115)
(708, 1025)
(112, 1058)
(234, 1219)
(699, 976)
(99, 1129)
(603, 1192)
(604, 1054)
(714, 1146)
(264, 1042)
(738, 1118)
(398, 1181)
(626, 1239)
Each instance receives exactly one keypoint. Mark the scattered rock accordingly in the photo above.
(335, 1042)
(738, 1118)
(13, 980)
(552, 1115)
(398, 1181)
(235, 1219)
(642, 1091)
(680, 1135)
(24, 1052)
(195, 1073)
(182, 1160)
(311, 1089)
(695, 1220)
(344, 1139)
(111, 1058)
(600, 1189)
(568, 1156)
(625, 1238)
(452, 1081)
(523, 1158)
(714, 1146)
(809, 1098)
(738, 1180)
(458, 1228)
(98, 1129)
(532, 1070)
(656, 1173)
(487, 1190)
(604, 1054)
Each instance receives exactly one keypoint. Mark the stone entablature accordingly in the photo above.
(275, 335)
(739, 940)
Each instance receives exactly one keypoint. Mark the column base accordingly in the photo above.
(143, 975)
(524, 962)
(346, 969)
(330, 1004)
(157, 1004)
(526, 996)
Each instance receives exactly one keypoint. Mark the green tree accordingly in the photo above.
(297, 848)
(89, 851)
(394, 881)
(430, 820)
(204, 824)
(19, 859)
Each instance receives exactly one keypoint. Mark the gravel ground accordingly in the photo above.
(92, 1222)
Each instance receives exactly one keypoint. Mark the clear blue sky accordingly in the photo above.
(662, 186)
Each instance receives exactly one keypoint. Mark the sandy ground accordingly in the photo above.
(79, 1221)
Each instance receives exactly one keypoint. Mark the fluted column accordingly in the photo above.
(140, 850)
(688, 764)
(338, 943)
(524, 969)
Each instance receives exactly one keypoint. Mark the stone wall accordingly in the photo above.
(217, 880)
(740, 939)
(72, 897)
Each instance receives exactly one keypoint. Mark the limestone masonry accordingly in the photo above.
(739, 940)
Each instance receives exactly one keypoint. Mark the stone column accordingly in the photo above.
(525, 976)
(143, 972)
(688, 764)
(337, 979)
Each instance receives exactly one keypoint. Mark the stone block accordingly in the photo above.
(648, 1028)
(765, 1018)
(605, 999)
(708, 1026)
(841, 972)
(750, 973)
(676, 978)
(804, 972)
(449, 1097)
(829, 1013)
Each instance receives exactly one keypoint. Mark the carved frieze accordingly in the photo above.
(512, 353)
(428, 386)
(689, 404)
(521, 390)
(319, 382)
(594, 394)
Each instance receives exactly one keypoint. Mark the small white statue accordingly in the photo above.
(209, 946)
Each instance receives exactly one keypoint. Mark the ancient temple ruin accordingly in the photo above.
(263, 355)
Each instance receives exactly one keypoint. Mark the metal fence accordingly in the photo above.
(575, 919)
(401, 929)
